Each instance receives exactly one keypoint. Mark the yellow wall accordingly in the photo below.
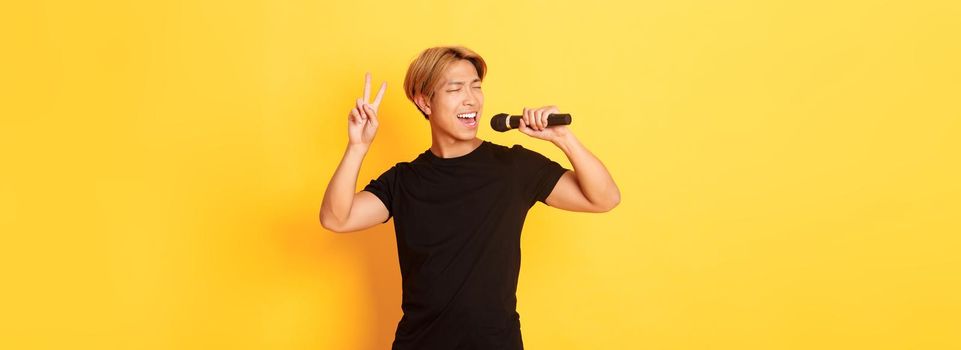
(789, 172)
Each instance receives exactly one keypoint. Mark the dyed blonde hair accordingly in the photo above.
(426, 71)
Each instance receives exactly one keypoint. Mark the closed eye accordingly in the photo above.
(476, 87)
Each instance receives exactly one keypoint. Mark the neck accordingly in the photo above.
(446, 147)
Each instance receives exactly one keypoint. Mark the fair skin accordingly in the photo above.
(459, 93)
(587, 188)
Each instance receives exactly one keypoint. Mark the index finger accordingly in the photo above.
(366, 87)
(380, 95)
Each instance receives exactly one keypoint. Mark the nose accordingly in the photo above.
(471, 99)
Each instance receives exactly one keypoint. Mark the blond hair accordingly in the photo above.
(426, 70)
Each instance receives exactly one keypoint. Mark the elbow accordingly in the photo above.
(330, 224)
(610, 204)
(329, 227)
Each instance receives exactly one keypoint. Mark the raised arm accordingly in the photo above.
(589, 187)
(343, 210)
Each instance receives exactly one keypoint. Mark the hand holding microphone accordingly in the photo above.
(535, 123)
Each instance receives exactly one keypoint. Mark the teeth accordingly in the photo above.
(468, 115)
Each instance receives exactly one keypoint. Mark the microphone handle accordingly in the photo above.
(552, 119)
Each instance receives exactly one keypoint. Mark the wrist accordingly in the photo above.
(565, 142)
(358, 148)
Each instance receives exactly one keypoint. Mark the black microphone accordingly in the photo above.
(502, 122)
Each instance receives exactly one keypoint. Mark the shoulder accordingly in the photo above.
(515, 150)
(511, 155)
(522, 159)
(397, 169)
(401, 166)
(525, 154)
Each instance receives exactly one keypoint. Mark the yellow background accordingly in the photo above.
(789, 171)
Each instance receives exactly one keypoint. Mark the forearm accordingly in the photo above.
(339, 195)
(595, 181)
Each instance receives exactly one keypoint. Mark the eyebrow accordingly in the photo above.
(461, 82)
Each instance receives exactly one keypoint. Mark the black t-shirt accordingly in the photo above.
(458, 223)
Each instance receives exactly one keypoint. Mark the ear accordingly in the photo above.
(422, 103)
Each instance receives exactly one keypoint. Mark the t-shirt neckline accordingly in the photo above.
(470, 155)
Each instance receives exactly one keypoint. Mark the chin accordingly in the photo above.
(468, 137)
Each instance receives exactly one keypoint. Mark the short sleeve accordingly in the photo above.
(383, 187)
(536, 173)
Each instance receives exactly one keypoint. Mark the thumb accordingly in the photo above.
(524, 128)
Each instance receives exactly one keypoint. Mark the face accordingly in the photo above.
(459, 94)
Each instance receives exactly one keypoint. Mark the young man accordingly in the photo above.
(459, 206)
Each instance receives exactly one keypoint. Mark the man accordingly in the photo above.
(459, 206)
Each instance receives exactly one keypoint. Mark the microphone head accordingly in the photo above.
(500, 122)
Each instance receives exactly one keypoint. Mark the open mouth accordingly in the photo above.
(468, 119)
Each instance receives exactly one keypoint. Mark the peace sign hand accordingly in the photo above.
(362, 120)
